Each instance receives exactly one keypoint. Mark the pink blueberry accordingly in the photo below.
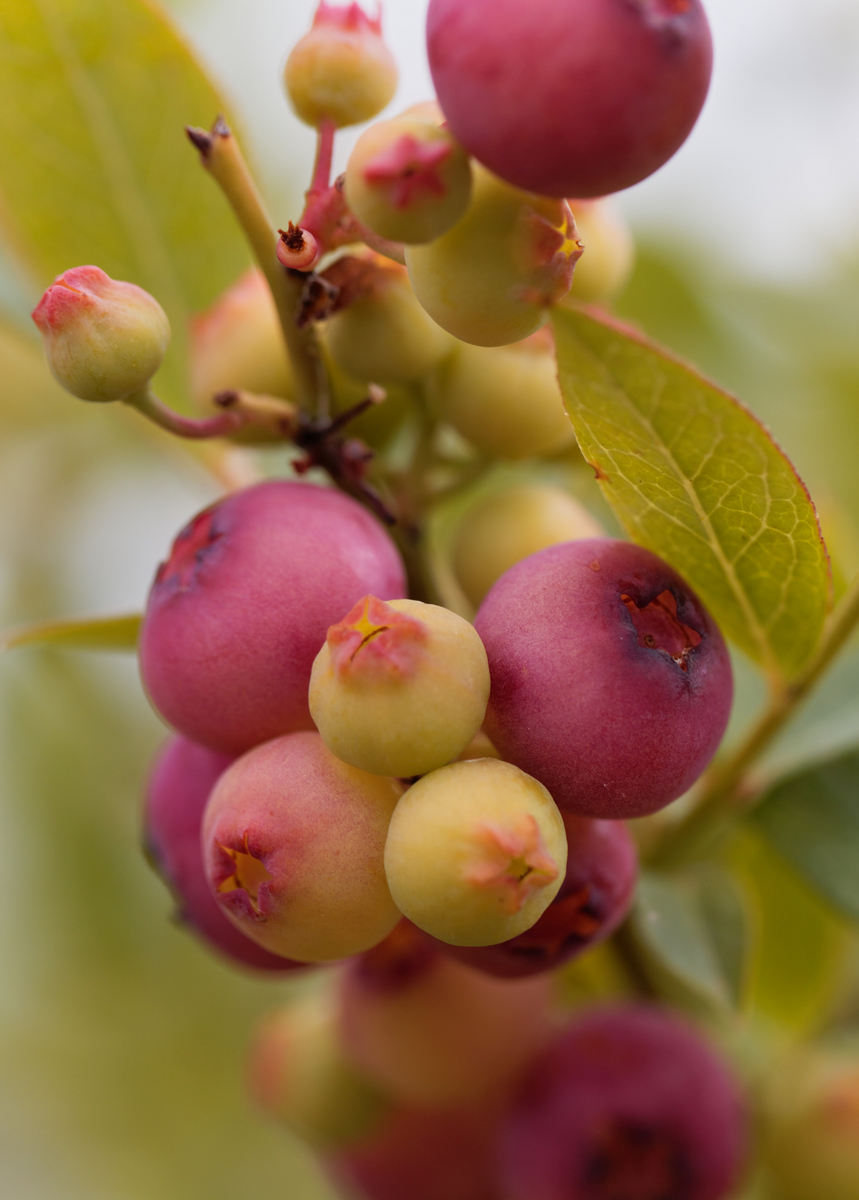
(239, 610)
(182, 780)
(628, 1103)
(611, 683)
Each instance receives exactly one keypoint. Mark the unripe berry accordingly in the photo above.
(627, 1103)
(813, 1148)
(605, 266)
(182, 781)
(476, 852)
(435, 1033)
(511, 524)
(341, 71)
(385, 336)
(570, 97)
(505, 399)
(611, 683)
(293, 843)
(238, 612)
(381, 422)
(237, 344)
(491, 279)
(297, 1073)
(408, 180)
(594, 898)
(104, 340)
(399, 688)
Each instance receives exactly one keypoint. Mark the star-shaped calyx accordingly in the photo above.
(511, 860)
(408, 169)
(249, 876)
(375, 639)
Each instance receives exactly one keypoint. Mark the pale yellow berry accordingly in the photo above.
(609, 251)
(384, 336)
(476, 852)
(341, 71)
(491, 279)
(399, 688)
(511, 525)
(505, 399)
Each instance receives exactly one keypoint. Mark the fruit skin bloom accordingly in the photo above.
(399, 688)
(611, 683)
(104, 339)
(238, 612)
(628, 1103)
(570, 97)
(341, 71)
(182, 781)
(293, 841)
(476, 852)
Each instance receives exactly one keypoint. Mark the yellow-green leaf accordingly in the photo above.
(696, 478)
(85, 633)
(94, 163)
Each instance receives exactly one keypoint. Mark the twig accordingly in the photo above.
(222, 158)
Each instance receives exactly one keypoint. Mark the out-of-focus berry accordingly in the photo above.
(605, 266)
(385, 336)
(508, 526)
(341, 71)
(103, 339)
(297, 1073)
(237, 344)
(628, 1103)
(570, 97)
(813, 1149)
(594, 898)
(491, 279)
(432, 1032)
(181, 783)
(505, 399)
(381, 422)
(424, 1155)
(408, 180)
(399, 688)
(611, 683)
(476, 852)
(239, 610)
(293, 843)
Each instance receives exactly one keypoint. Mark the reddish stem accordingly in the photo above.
(324, 156)
(221, 425)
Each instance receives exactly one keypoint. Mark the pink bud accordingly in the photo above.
(104, 339)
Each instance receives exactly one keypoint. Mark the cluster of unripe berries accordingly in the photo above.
(356, 775)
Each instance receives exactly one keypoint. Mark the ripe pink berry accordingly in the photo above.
(628, 1103)
(570, 97)
(293, 845)
(240, 609)
(424, 1155)
(181, 783)
(611, 683)
(602, 865)
(433, 1032)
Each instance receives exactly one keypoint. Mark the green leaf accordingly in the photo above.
(800, 942)
(94, 163)
(674, 944)
(696, 478)
(725, 911)
(812, 820)
(86, 633)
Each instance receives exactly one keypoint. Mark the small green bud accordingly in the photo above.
(341, 71)
(104, 339)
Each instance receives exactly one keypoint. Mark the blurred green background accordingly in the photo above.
(121, 1040)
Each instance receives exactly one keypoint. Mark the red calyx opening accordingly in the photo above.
(632, 1161)
(188, 550)
(659, 628)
